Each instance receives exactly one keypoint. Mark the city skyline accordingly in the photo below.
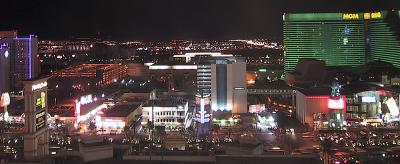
(158, 20)
(200, 81)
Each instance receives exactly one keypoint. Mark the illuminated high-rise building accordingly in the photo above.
(383, 37)
(228, 85)
(342, 39)
(23, 58)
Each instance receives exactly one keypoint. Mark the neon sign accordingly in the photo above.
(350, 16)
(39, 86)
(375, 15)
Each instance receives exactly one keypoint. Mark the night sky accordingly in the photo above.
(165, 19)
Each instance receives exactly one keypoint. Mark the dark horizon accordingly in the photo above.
(166, 20)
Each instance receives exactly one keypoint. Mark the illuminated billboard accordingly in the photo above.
(40, 101)
(40, 119)
(336, 103)
(256, 108)
(39, 86)
(393, 109)
(368, 99)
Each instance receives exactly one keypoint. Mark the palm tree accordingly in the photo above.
(326, 147)
(126, 131)
(92, 126)
(3, 126)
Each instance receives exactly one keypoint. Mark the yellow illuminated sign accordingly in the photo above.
(376, 15)
(367, 15)
(41, 101)
(355, 16)
(350, 16)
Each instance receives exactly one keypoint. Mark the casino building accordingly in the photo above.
(342, 39)
(362, 103)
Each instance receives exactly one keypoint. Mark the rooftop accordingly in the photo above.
(165, 103)
(121, 110)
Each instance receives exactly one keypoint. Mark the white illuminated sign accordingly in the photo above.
(336, 103)
(86, 99)
(368, 99)
(39, 86)
(6, 54)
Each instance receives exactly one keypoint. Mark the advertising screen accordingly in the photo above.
(40, 119)
(368, 99)
(40, 102)
(256, 108)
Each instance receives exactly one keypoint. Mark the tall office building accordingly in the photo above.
(23, 58)
(228, 85)
(341, 39)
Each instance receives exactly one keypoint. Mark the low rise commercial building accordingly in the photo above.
(361, 104)
(117, 117)
(170, 113)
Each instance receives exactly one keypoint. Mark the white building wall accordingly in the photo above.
(167, 116)
(239, 94)
(229, 86)
(214, 105)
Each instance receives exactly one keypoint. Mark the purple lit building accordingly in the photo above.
(23, 58)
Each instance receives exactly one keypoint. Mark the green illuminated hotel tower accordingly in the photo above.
(342, 39)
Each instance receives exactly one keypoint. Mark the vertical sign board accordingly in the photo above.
(40, 104)
(40, 108)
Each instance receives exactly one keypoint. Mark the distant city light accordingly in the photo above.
(262, 70)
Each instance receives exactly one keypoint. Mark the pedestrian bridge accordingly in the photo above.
(271, 91)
